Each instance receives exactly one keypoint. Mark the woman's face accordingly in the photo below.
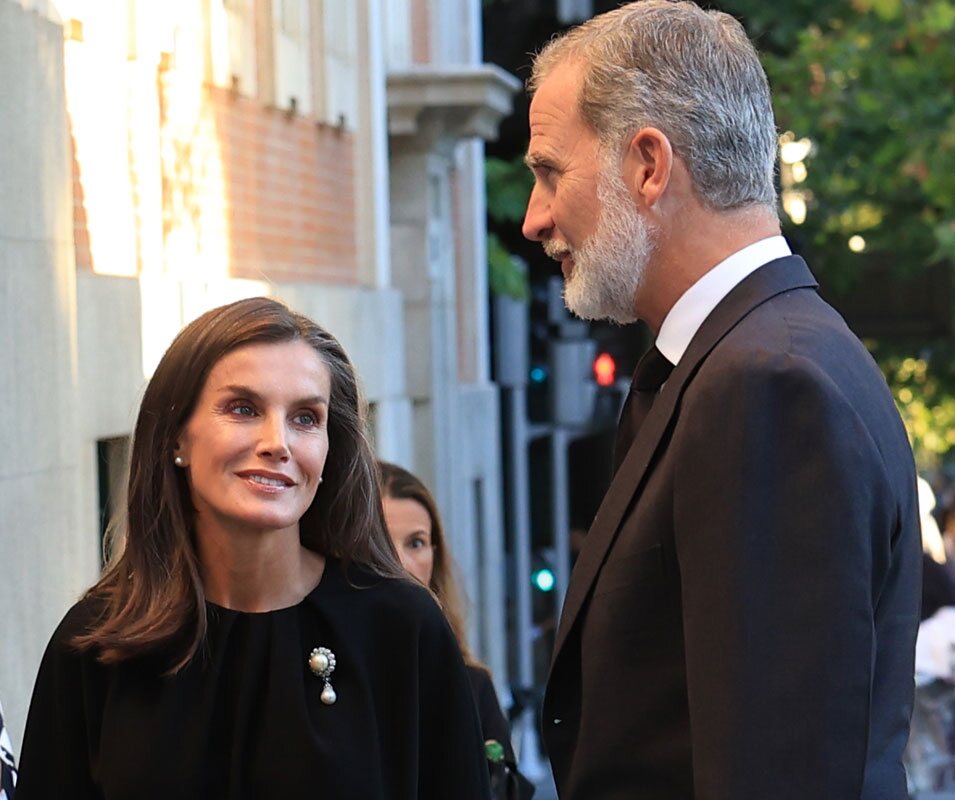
(255, 445)
(410, 529)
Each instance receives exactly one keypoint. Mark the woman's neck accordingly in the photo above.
(256, 572)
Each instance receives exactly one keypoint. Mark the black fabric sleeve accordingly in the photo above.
(55, 761)
(451, 746)
(493, 723)
(781, 502)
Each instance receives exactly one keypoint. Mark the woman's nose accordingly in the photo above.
(274, 442)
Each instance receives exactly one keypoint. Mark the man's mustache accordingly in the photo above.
(556, 250)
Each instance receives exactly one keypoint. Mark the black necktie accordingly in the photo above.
(651, 372)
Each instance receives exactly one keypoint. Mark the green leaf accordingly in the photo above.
(507, 274)
(509, 186)
(887, 10)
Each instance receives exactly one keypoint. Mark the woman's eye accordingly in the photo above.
(306, 418)
(242, 408)
(417, 543)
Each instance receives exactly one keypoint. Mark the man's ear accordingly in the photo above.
(647, 165)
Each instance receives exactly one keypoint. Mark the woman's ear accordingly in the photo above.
(179, 456)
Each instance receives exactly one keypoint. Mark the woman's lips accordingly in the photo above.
(269, 482)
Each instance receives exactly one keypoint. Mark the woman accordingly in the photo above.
(413, 522)
(255, 637)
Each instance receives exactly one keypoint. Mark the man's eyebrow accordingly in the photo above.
(534, 160)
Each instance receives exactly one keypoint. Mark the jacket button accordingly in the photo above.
(557, 721)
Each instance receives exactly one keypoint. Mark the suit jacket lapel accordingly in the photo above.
(768, 281)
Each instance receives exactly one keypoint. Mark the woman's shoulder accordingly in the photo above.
(387, 600)
(86, 611)
(480, 678)
(80, 619)
(65, 668)
(386, 590)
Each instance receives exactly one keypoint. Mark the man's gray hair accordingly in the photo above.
(694, 75)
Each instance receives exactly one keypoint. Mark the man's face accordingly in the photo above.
(580, 208)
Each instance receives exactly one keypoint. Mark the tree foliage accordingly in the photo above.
(508, 187)
(919, 384)
(872, 84)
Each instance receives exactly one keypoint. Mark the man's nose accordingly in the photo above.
(537, 218)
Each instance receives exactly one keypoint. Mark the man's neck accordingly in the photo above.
(691, 246)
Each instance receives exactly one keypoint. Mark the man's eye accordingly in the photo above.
(546, 172)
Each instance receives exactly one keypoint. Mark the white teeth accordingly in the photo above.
(265, 481)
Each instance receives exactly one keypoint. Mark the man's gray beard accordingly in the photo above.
(609, 266)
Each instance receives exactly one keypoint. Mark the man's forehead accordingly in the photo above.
(553, 107)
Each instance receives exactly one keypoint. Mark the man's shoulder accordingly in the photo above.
(794, 330)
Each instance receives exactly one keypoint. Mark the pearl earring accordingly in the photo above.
(320, 479)
(179, 461)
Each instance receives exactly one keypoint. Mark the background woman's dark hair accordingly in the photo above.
(398, 483)
(152, 591)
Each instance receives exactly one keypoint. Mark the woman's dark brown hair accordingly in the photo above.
(153, 601)
(400, 484)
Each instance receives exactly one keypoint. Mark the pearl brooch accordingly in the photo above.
(321, 661)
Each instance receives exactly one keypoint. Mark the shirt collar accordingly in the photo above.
(695, 304)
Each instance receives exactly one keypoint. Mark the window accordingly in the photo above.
(232, 38)
(338, 45)
(290, 26)
(397, 33)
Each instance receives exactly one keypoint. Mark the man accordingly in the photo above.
(740, 623)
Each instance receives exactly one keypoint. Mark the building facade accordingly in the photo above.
(161, 159)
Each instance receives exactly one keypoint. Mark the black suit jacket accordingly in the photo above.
(741, 621)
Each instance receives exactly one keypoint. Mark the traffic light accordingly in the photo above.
(605, 369)
(543, 579)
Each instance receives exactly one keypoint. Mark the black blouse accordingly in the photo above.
(245, 720)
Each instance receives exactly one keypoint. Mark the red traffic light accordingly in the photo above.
(605, 369)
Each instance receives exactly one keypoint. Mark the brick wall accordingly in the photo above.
(290, 194)
(284, 184)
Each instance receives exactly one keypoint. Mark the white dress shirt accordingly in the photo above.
(695, 304)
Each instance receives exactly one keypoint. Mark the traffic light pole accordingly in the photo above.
(511, 371)
(571, 400)
(560, 444)
(519, 522)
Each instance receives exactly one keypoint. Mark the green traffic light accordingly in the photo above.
(543, 579)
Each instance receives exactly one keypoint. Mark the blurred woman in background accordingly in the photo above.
(414, 524)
